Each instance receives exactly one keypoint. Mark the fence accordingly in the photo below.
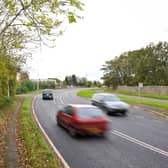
(146, 89)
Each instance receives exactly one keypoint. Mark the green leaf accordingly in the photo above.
(71, 19)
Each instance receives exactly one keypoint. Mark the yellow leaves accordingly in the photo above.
(48, 30)
(11, 5)
(41, 15)
(71, 19)
(19, 46)
(77, 4)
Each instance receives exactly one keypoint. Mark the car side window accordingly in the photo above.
(68, 110)
(101, 99)
(98, 98)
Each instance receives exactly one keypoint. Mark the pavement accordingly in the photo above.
(12, 151)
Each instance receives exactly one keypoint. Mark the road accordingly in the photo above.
(139, 140)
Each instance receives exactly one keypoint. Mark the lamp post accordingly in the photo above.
(38, 80)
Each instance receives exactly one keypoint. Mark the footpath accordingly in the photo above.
(12, 152)
(9, 153)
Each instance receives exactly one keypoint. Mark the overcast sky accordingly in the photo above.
(109, 28)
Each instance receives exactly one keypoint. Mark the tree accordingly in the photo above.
(40, 19)
(148, 65)
(25, 22)
(74, 80)
(24, 76)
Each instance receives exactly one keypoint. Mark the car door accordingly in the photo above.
(99, 100)
(67, 116)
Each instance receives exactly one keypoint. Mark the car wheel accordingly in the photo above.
(108, 113)
(72, 132)
(58, 122)
(92, 103)
(104, 135)
(124, 113)
(107, 110)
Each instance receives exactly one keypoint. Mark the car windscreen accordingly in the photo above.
(47, 91)
(88, 112)
(111, 98)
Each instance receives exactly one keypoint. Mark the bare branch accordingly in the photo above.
(10, 23)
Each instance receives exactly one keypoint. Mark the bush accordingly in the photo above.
(4, 101)
(25, 86)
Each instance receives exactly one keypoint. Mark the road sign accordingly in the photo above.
(140, 85)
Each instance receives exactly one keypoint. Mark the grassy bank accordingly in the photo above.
(38, 153)
(88, 94)
(146, 102)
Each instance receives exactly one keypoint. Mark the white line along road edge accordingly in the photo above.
(145, 145)
(63, 162)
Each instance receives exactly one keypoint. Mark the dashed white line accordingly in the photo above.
(143, 144)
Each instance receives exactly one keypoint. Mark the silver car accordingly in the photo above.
(110, 102)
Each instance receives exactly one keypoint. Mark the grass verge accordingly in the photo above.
(38, 154)
(88, 94)
(146, 102)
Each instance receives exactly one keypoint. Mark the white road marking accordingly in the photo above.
(58, 100)
(158, 121)
(55, 101)
(61, 100)
(60, 158)
(140, 117)
(145, 145)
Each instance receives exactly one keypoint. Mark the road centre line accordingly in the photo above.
(60, 98)
(143, 144)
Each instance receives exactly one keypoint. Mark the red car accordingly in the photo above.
(80, 119)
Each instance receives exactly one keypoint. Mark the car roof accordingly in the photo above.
(105, 94)
(82, 105)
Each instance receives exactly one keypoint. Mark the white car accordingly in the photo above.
(110, 102)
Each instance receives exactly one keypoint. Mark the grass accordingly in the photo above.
(146, 102)
(88, 94)
(39, 154)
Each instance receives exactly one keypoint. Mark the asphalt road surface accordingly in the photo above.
(139, 140)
